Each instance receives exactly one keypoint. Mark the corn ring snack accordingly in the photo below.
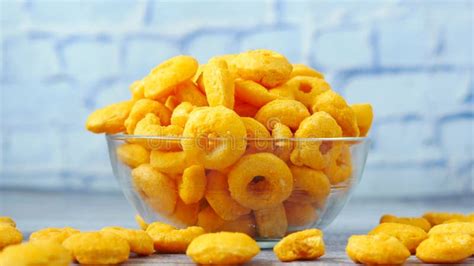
(133, 154)
(218, 83)
(143, 107)
(35, 253)
(410, 236)
(222, 248)
(436, 218)
(185, 214)
(333, 103)
(150, 126)
(263, 66)
(446, 248)
(98, 248)
(260, 180)
(339, 168)
(364, 116)
(453, 228)
(57, 235)
(300, 214)
(141, 223)
(309, 185)
(192, 185)
(180, 114)
(271, 222)
(306, 71)
(137, 88)
(244, 224)
(469, 219)
(287, 112)
(253, 93)
(109, 119)
(171, 102)
(306, 89)
(209, 220)
(219, 198)
(9, 235)
(140, 242)
(256, 130)
(415, 221)
(168, 239)
(7, 220)
(227, 133)
(163, 79)
(156, 188)
(245, 109)
(303, 245)
(189, 92)
(283, 92)
(376, 250)
(172, 162)
(282, 146)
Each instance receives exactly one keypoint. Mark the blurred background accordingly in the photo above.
(413, 60)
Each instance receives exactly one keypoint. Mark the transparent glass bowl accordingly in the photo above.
(279, 196)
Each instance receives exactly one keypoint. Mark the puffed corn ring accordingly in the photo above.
(163, 78)
(172, 240)
(271, 222)
(171, 102)
(453, 228)
(316, 154)
(143, 107)
(141, 223)
(333, 103)
(376, 250)
(263, 66)
(219, 84)
(185, 214)
(339, 168)
(306, 71)
(140, 242)
(137, 88)
(189, 92)
(364, 116)
(180, 114)
(9, 235)
(7, 220)
(256, 131)
(287, 112)
(98, 248)
(469, 219)
(306, 89)
(57, 235)
(244, 224)
(260, 180)
(35, 253)
(133, 154)
(222, 248)
(300, 214)
(446, 248)
(109, 119)
(410, 236)
(415, 221)
(228, 59)
(309, 185)
(436, 218)
(192, 185)
(172, 162)
(283, 92)
(209, 220)
(282, 146)
(150, 126)
(253, 93)
(156, 188)
(302, 245)
(219, 198)
(225, 130)
(245, 109)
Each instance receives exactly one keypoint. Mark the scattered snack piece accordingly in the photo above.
(39, 253)
(9, 235)
(57, 235)
(222, 248)
(415, 221)
(168, 239)
(141, 223)
(436, 218)
(140, 242)
(453, 228)
(7, 220)
(376, 250)
(410, 236)
(303, 245)
(446, 248)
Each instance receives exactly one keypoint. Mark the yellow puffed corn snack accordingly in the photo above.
(185, 214)
(219, 197)
(302, 245)
(163, 79)
(446, 248)
(171, 102)
(156, 188)
(436, 218)
(137, 88)
(306, 89)
(36, 253)
(287, 112)
(9, 235)
(57, 235)
(172, 162)
(410, 236)
(339, 168)
(333, 104)
(256, 130)
(453, 228)
(168, 239)
(468, 219)
(271, 222)
(282, 146)
(98, 248)
(140, 242)
(141, 223)
(222, 248)
(283, 92)
(7, 220)
(180, 114)
(225, 130)
(304, 70)
(253, 93)
(189, 92)
(150, 126)
(263, 66)
(209, 220)
(415, 221)
(143, 107)
(364, 116)
(244, 224)
(309, 186)
(133, 154)
(376, 250)
(300, 214)
(192, 185)
(219, 84)
(260, 180)
(109, 119)
(245, 109)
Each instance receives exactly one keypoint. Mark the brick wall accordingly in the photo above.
(412, 59)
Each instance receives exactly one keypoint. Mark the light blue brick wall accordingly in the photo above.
(413, 60)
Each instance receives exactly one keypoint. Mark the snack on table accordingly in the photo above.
(141, 223)
(168, 239)
(415, 221)
(446, 248)
(453, 228)
(376, 249)
(410, 236)
(57, 235)
(140, 242)
(7, 220)
(303, 245)
(222, 248)
(436, 218)
(9, 235)
(35, 253)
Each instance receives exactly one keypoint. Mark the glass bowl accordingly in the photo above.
(264, 187)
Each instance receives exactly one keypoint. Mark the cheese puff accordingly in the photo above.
(137, 88)
(287, 112)
(7, 220)
(306, 89)
(282, 146)
(143, 107)
(171, 102)
(219, 84)
(271, 222)
(192, 185)
(168, 239)
(300, 214)
(364, 116)
(410, 236)
(185, 214)
(453, 228)
(109, 119)
(309, 185)
(253, 93)
(339, 168)
(415, 221)
(57, 235)
(180, 114)
(172, 162)
(306, 71)
(209, 220)
(244, 224)
(303, 245)
(189, 92)
(140, 242)
(41, 253)
(446, 248)
(9, 235)
(255, 131)
(133, 155)
(377, 249)
(245, 109)
(436, 218)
